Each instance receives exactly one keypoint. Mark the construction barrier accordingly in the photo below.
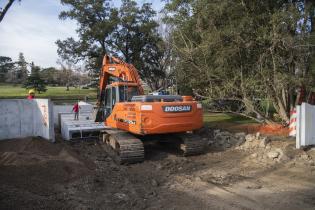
(292, 124)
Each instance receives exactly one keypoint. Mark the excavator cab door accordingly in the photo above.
(110, 100)
(107, 105)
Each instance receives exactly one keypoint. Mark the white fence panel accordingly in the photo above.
(305, 125)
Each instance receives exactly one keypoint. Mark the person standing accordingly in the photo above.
(75, 109)
(31, 94)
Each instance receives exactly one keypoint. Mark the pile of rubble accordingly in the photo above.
(262, 149)
(224, 139)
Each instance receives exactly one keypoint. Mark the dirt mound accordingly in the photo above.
(30, 151)
(36, 166)
(31, 145)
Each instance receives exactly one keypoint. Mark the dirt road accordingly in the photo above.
(35, 174)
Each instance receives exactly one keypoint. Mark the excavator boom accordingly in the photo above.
(117, 68)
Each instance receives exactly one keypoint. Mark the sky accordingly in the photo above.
(33, 27)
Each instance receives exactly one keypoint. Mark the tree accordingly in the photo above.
(96, 22)
(247, 52)
(138, 40)
(5, 9)
(21, 69)
(6, 66)
(50, 75)
(34, 80)
(129, 32)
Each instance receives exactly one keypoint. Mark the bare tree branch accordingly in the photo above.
(5, 10)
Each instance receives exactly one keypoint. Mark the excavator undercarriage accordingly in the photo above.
(125, 148)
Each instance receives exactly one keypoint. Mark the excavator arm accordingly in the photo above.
(123, 72)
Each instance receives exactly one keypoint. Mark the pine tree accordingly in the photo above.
(34, 81)
(21, 69)
(6, 66)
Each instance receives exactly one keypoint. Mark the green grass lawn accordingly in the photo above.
(213, 119)
(10, 91)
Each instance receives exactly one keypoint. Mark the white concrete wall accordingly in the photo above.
(305, 126)
(24, 118)
(85, 108)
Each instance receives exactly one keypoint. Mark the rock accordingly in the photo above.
(305, 157)
(210, 142)
(198, 179)
(159, 166)
(240, 142)
(216, 132)
(249, 137)
(284, 157)
(121, 196)
(154, 183)
(246, 145)
(263, 142)
(253, 186)
(239, 135)
(254, 155)
(268, 147)
(225, 133)
(257, 135)
(273, 154)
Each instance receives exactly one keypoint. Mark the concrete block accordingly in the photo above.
(25, 118)
(85, 127)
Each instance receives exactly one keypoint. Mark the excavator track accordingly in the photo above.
(123, 147)
(191, 144)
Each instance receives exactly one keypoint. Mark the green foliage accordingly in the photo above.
(34, 81)
(96, 22)
(21, 69)
(129, 32)
(6, 65)
(241, 50)
(50, 75)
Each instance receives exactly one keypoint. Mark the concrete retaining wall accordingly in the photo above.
(24, 118)
(305, 124)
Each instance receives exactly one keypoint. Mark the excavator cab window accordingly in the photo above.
(127, 92)
(110, 100)
(114, 92)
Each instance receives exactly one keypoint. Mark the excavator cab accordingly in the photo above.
(117, 92)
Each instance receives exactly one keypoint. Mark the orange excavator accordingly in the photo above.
(130, 115)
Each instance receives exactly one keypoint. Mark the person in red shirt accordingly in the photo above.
(75, 109)
(31, 94)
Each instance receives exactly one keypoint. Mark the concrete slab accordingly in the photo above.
(85, 107)
(85, 127)
(25, 118)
